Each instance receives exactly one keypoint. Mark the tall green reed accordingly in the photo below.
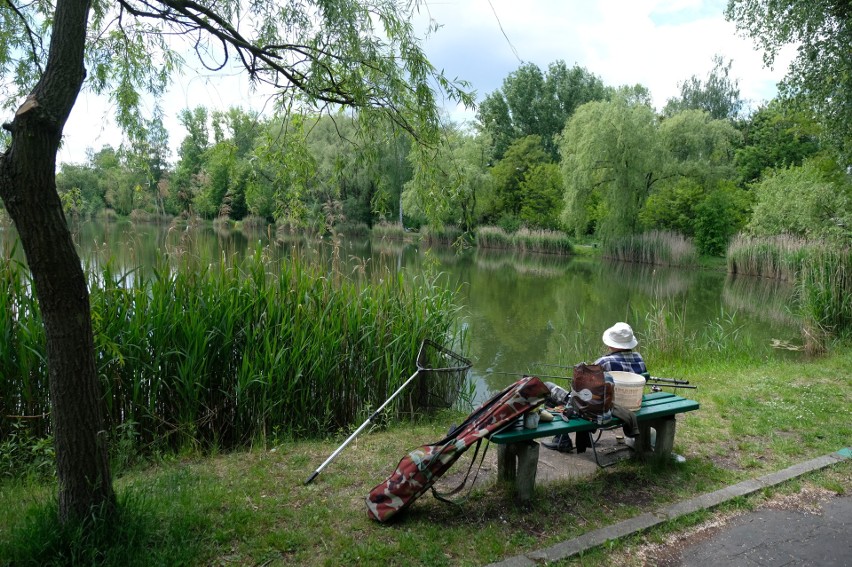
(822, 275)
(223, 353)
(665, 338)
(23, 364)
(777, 257)
(524, 239)
(825, 295)
(655, 247)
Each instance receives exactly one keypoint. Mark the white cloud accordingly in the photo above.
(655, 43)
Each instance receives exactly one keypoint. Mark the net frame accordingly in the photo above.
(441, 375)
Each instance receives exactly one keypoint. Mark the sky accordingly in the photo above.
(656, 43)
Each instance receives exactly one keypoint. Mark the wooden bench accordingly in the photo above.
(517, 450)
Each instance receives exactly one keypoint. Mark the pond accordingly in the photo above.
(521, 312)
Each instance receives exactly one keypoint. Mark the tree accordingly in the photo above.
(319, 54)
(610, 155)
(510, 172)
(533, 103)
(777, 135)
(803, 201)
(541, 202)
(719, 96)
(821, 74)
(446, 187)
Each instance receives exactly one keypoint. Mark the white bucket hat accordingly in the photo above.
(620, 336)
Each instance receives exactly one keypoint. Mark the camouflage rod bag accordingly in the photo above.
(418, 471)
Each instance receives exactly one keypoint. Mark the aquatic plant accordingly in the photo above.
(655, 247)
(225, 353)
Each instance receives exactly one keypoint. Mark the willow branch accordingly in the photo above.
(30, 35)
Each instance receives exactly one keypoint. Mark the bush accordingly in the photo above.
(802, 201)
(718, 218)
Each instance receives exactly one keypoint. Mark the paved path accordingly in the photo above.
(779, 538)
(766, 538)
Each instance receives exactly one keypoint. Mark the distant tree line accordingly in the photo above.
(550, 149)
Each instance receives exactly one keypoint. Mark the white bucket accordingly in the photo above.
(628, 389)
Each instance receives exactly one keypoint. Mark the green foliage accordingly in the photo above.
(24, 454)
(533, 103)
(672, 207)
(821, 74)
(541, 191)
(718, 96)
(802, 201)
(719, 217)
(511, 173)
(777, 135)
(447, 181)
(611, 156)
(699, 147)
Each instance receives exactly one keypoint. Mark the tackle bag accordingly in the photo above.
(592, 392)
(418, 471)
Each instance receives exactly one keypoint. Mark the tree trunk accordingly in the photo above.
(28, 189)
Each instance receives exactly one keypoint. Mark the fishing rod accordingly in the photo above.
(649, 378)
(652, 381)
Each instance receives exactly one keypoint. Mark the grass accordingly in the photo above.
(251, 507)
(654, 247)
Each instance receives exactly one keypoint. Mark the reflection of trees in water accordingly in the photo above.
(545, 265)
(654, 281)
(765, 298)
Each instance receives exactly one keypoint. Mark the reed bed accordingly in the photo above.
(662, 248)
(225, 353)
(778, 257)
(524, 239)
(825, 295)
(665, 339)
(492, 237)
(821, 272)
(446, 235)
(390, 231)
(542, 241)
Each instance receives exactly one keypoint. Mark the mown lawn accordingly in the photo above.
(252, 507)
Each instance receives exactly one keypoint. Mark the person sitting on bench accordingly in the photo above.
(620, 342)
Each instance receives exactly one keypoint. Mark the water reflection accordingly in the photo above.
(520, 309)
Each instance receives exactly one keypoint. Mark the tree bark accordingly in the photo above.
(28, 189)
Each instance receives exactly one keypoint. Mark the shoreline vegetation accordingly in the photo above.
(204, 353)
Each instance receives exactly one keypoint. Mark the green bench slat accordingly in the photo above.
(654, 406)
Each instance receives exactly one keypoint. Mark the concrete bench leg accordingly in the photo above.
(518, 462)
(664, 443)
(507, 462)
(665, 437)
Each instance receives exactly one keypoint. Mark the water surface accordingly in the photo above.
(520, 311)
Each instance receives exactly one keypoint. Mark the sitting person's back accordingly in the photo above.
(620, 342)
